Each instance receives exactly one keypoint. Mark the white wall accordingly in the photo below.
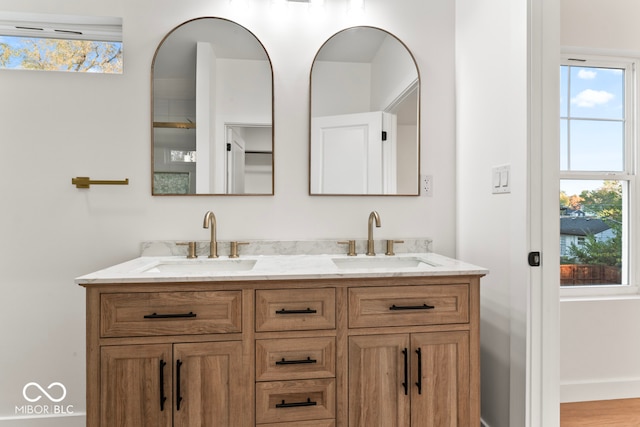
(56, 126)
(600, 339)
(492, 117)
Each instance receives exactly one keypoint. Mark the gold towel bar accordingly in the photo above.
(86, 182)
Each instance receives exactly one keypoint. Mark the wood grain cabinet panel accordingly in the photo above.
(170, 313)
(173, 385)
(295, 358)
(136, 386)
(312, 423)
(409, 380)
(288, 401)
(295, 309)
(440, 364)
(210, 381)
(408, 305)
(376, 377)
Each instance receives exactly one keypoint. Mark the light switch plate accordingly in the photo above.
(501, 179)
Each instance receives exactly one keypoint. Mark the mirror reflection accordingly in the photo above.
(364, 125)
(212, 111)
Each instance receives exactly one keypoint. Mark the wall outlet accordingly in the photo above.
(426, 185)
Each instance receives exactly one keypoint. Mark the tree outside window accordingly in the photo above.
(30, 53)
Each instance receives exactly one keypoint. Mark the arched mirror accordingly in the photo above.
(212, 111)
(364, 124)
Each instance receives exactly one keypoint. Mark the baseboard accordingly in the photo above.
(73, 420)
(586, 391)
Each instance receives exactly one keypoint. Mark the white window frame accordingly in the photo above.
(631, 238)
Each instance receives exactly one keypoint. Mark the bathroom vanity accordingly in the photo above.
(291, 340)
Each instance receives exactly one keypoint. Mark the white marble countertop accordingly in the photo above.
(158, 269)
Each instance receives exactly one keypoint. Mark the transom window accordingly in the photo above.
(60, 43)
(597, 170)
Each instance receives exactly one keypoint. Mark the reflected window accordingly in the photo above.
(183, 156)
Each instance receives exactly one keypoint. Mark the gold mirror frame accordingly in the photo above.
(181, 178)
(393, 173)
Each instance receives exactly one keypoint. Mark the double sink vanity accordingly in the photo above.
(309, 338)
(283, 334)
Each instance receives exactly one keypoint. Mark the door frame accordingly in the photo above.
(543, 337)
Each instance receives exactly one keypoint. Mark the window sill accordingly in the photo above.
(599, 293)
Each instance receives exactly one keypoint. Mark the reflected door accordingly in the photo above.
(349, 155)
(235, 162)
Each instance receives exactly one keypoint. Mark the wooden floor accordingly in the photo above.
(604, 413)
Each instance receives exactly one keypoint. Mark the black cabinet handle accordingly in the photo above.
(296, 404)
(163, 398)
(169, 316)
(412, 307)
(305, 311)
(178, 394)
(405, 384)
(296, 362)
(419, 383)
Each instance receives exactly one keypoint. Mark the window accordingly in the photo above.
(183, 156)
(60, 43)
(597, 170)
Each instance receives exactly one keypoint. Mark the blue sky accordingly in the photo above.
(597, 144)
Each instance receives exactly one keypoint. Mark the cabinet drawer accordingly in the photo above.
(313, 423)
(170, 313)
(408, 305)
(296, 358)
(282, 401)
(295, 309)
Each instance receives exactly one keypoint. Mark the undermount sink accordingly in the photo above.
(202, 266)
(383, 263)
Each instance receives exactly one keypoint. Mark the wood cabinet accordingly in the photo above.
(348, 352)
(165, 385)
(409, 380)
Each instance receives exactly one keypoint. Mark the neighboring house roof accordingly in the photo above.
(582, 225)
(565, 210)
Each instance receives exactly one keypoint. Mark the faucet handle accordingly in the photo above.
(390, 246)
(234, 249)
(191, 251)
(352, 246)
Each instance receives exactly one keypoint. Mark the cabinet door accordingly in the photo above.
(136, 386)
(209, 387)
(377, 366)
(440, 385)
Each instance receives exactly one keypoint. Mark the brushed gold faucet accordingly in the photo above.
(370, 243)
(210, 222)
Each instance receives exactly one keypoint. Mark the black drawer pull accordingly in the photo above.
(178, 393)
(405, 384)
(296, 404)
(419, 383)
(170, 316)
(412, 307)
(305, 311)
(296, 362)
(163, 398)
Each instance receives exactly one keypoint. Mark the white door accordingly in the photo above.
(348, 154)
(235, 162)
